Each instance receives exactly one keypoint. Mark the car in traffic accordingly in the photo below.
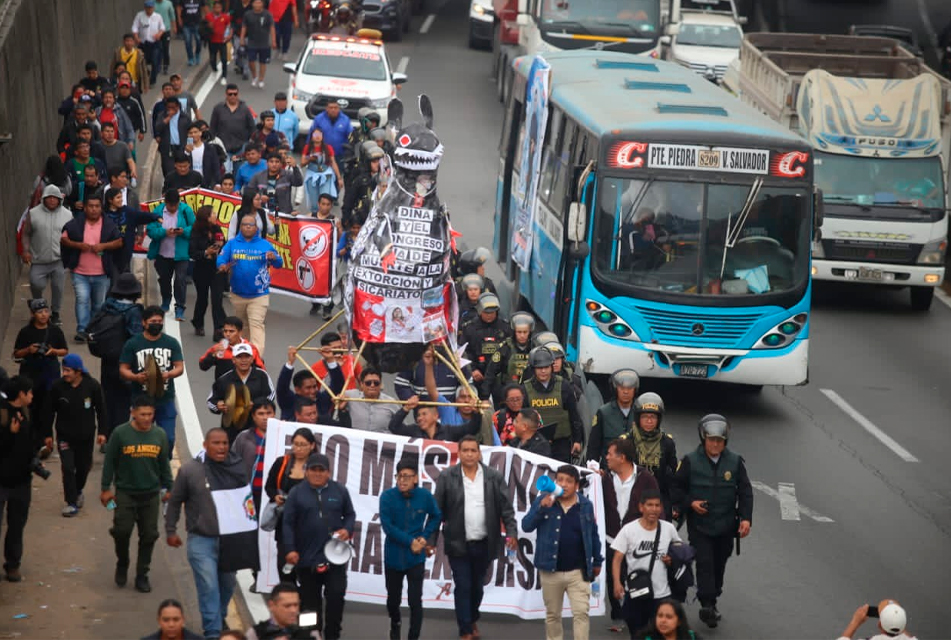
(907, 38)
(352, 70)
(481, 24)
(392, 17)
(705, 42)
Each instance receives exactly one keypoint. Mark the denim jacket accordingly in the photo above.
(405, 519)
(548, 523)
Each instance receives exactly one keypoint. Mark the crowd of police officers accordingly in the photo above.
(708, 489)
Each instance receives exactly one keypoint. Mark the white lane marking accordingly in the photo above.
(942, 296)
(427, 23)
(255, 602)
(866, 424)
(191, 425)
(776, 495)
(788, 505)
(403, 63)
(206, 87)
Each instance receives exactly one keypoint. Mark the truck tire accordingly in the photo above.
(921, 298)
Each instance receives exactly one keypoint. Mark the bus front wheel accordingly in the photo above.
(921, 298)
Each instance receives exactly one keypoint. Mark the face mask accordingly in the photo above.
(155, 328)
(332, 365)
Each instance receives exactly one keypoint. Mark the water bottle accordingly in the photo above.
(111, 505)
(288, 568)
(510, 555)
(596, 590)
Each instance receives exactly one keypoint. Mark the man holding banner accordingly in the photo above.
(473, 499)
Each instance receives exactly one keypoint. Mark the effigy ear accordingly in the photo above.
(426, 110)
(394, 113)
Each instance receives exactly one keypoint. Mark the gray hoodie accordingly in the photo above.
(191, 489)
(43, 228)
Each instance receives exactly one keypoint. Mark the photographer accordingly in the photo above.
(276, 181)
(18, 462)
(891, 621)
(39, 346)
(284, 606)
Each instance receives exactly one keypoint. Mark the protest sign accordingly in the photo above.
(365, 463)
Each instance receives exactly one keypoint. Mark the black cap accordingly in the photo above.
(280, 95)
(317, 460)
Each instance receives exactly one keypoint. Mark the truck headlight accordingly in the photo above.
(817, 250)
(933, 252)
(381, 103)
(301, 96)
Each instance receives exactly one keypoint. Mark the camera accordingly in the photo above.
(42, 349)
(38, 469)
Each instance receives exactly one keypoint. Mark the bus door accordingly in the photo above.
(512, 130)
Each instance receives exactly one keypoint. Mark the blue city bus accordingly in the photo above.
(673, 228)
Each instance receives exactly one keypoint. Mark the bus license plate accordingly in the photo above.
(693, 370)
(869, 274)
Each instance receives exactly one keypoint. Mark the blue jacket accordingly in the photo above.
(336, 134)
(250, 275)
(287, 123)
(405, 519)
(302, 528)
(156, 232)
(548, 522)
(246, 172)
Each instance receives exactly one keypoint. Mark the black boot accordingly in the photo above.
(394, 631)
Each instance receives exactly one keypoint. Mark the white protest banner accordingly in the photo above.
(365, 463)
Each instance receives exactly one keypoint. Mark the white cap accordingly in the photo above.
(242, 348)
(892, 619)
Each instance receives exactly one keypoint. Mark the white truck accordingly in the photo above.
(880, 123)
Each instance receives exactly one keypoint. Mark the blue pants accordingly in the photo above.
(468, 575)
(165, 414)
(214, 587)
(192, 42)
(153, 56)
(90, 294)
(284, 29)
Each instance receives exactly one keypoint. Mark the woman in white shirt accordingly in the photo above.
(635, 542)
(203, 156)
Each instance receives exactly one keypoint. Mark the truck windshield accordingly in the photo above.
(886, 182)
(695, 238)
(710, 35)
(632, 17)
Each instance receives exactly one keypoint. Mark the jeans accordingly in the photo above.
(16, 502)
(53, 273)
(192, 42)
(214, 587)
(76, 459)
(318, 182)
(252, 312)
(219, 52)
(166, 50)
(117, 395)
(617, 606)
(284, 30)
(331, 584)
(468, 575)
(90, 294)
(207, 278)
(414, 597)
(554, 586)
(167, 268)
(153, 57)
(135, 510)
(712, 554)
(165, 414)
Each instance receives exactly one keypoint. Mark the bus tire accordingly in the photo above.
(921, 298)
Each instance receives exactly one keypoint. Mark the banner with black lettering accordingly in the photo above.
(365, 462)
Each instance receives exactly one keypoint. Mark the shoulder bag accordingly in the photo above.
(640, 583)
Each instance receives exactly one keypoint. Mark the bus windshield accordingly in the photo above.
(631, 17)
(710, 35)
(894, 182)
(700, 238)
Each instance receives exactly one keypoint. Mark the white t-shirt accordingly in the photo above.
(637, 545)
(198, 158)
(475, 505)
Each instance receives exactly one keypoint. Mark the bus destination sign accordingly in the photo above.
(644, 155)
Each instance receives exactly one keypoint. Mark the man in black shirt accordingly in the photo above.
(39, 346)
(93, 81)
(244, 373)
(183, 177)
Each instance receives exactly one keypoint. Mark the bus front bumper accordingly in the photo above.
(901, 275)
(598, 353)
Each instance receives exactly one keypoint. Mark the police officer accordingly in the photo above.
(369, 119)
(714, 490)
(564, 370)
(616, 418)
(468, 289)
(656, 450)
(510, 360)
(358, 198)
(483, 333)
(473, 261)
(552, 398)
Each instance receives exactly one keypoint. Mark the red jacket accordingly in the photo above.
(219, 24)
(320, 370)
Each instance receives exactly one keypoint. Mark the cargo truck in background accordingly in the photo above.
(879, 120)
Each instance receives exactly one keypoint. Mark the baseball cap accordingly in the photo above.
(37, 304)
(73, 361)
(318, 460)
(150, 3)
(242, 349)
(124, 84)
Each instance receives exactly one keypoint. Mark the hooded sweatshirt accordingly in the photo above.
(44, 228)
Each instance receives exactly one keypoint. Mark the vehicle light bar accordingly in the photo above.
(316, 36)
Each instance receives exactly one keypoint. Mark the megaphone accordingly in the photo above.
(545, 484)
(337, 551)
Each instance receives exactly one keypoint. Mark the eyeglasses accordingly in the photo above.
(231, 93)
(371, 383)
(249, 224)
(405, 476)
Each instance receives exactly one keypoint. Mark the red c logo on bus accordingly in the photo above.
(627, 155)
(789, 165)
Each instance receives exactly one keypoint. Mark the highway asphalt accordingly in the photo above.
(840, 518)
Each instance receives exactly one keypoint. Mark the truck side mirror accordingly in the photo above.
(577, 221)
(818, 208)
(665, 40)
(523, 20)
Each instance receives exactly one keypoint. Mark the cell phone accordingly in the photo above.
(872, 611)
(308, 619)
(705, 504)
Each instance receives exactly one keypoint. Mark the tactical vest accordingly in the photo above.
(518, 360)
(716, 486)
(550, 408)
(615, 425)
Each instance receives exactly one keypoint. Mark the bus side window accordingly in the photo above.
(510, 110)
(561, 188)
(552, 133)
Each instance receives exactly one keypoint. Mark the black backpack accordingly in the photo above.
(107, 334)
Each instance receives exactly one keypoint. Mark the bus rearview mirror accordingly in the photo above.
(577, 221)
(522, 20)
(818, 207)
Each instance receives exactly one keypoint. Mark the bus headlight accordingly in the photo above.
(783, 333)
(933, 252)
(609, 323)
(817, 250)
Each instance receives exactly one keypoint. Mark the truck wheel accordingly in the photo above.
(921, 298)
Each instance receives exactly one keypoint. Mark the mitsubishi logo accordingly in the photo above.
(343, 103)
(697, 329)
(877, 115)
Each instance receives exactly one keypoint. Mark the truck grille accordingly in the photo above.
(701, 68)
(319, 103)
(684, 329)
(872, 252)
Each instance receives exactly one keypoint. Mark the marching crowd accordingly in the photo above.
(516, 386)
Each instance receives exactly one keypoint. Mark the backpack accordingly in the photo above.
(107, 334)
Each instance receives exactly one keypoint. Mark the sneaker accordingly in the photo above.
(223, 82)
(55, 319)
(80, 501)
(142, 584)
(166, 305)
(13, 575)
(70, 511)
(394, 631)
(708, 615)
(315, 309)
(180, 314)
(122, 575)
(81, 336)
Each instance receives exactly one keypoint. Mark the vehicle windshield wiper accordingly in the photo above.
(733, 233)
(576, 26)
(625, 25)
(630, 214)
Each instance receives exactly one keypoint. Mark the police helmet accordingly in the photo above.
(472, 259)
(626, 379)
(543, 338)
(713, 425)
(363, 112)
(343, 9)
(488, 302)
(373, 116)
(472, 280)
(556, 349)
(540, 357)
(378, 134)
(522, 319)
(372, 150)
(267, 113)
(649, 402)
